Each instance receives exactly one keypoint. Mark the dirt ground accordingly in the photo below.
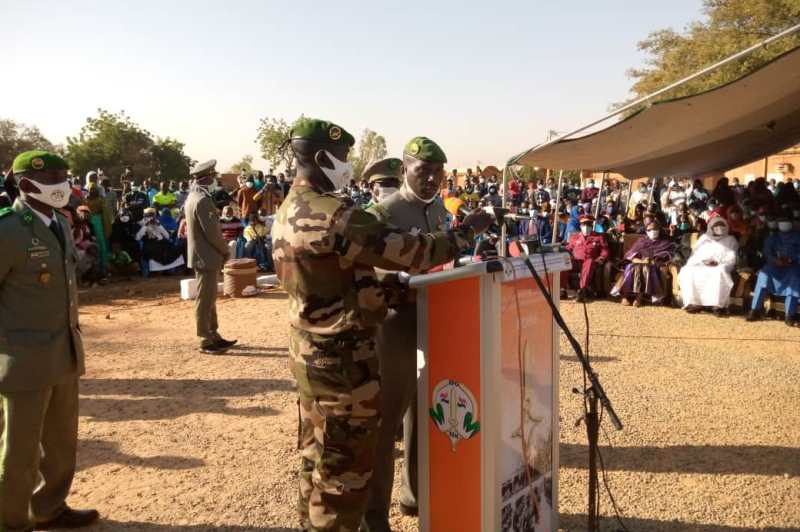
(172, 440)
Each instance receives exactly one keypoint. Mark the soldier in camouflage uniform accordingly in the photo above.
(325, 251)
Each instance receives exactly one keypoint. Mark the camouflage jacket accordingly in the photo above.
(325, 250)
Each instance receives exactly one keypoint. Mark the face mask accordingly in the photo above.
(55, 196)
(385, 192)
(124, 219)
(784, 226)
(227, 218)
(250, 184)
(136, 188)
(683, 227)
(262, 218)
(591, 184)
(772, 225)
(585, 229)
(653, 235)
(340, 174)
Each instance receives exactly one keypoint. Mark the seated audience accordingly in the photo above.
(642, 276)
(588, 250)
(705, 280)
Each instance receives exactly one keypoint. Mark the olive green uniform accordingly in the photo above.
(396, 345)
(206, 251)
(325, 252)
(41, 358)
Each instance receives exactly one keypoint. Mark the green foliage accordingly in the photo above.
(728, 27)
(16, 138)
(271, 138)
(114, 142)
(371, 148)
(244, 165)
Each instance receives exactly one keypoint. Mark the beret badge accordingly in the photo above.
(335, 133)
(37, 163)
(413, 149)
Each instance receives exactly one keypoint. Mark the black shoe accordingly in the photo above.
(753, 315)
(719, 312)
(225, 344)
(371, 524)
(411, 511)
(581, 297)
(791, 322)
(70, 518)
(693, 309)
(212, 348)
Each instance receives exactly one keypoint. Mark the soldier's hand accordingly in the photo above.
(478, 220)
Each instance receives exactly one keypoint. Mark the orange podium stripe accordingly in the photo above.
(454, 353)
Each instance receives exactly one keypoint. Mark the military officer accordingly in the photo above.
(207, 252)
(415, 208)
(384, 179)
(41, 352)
(325, 252)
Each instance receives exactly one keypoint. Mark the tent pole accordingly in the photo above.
(502, 251)
(766, 167)
(737, 55)
(597, 208)
(555, 209)
(628, 199)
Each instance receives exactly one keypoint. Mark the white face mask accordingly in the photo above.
(250, 184)
(56, 196)
(124, 219)
(340, 174)
(385, 192)
(653, 235)
(262, 218)
(784, 226)
(586, 229)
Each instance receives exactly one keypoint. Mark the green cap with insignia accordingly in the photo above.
(204, 169)
(38, 160)
(425, 149)
(391, 168)
(322, 131)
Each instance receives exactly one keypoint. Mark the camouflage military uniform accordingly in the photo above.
(325, 250)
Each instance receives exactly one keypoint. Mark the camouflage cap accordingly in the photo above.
(425, 149)
(322, 131)
(38, 160)
(391, 168)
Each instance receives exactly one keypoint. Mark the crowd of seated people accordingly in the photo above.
(678, 243)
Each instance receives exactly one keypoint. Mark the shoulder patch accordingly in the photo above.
(6, 211)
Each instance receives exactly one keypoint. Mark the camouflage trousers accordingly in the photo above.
(339, 400)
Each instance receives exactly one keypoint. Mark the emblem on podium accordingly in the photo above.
(454, 410)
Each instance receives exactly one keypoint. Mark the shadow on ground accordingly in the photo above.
(133, 526)
(152, 399)
(578, 522)
(93, 453)
(701, 459)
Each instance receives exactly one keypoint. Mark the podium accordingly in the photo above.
(487, 364)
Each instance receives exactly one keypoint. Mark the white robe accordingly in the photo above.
(709, 286)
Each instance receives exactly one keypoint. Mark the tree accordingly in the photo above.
(271, 138)
(16, 138)
(371, 148)
(729, 26)
(244, 165)
(114, 142)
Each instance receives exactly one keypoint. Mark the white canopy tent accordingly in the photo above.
(742, 121)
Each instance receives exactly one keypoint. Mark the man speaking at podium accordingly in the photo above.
(325, 252)
(415, 208)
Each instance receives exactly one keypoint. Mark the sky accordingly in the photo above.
(486, 80)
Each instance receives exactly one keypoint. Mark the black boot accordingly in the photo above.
(753, 315)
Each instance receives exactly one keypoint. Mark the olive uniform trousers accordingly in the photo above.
(40, 436)
(205, 306)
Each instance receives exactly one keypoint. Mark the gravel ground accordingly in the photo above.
(172, 440)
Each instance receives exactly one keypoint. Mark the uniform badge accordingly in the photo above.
(44, 277)
(335, 133)
(393, 164)
(37, 163)
(34, 242)
(413, 149)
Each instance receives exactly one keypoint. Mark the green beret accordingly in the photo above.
(425, 149)
(320, 131)
(386, 169)
(36, 160)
